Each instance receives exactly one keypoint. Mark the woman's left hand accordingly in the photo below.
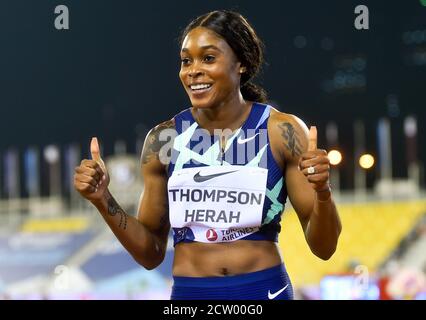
(315, 164)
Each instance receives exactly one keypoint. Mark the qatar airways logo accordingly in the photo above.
(196, 145)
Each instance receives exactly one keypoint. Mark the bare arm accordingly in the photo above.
(309, 194)
(144, 236)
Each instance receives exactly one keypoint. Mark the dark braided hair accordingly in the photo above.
(242, 38)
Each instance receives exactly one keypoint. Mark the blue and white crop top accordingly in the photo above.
(225, 194)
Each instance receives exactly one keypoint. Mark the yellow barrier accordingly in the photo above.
(72, 224)
(370, 232)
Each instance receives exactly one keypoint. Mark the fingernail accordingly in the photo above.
(104, 177)
(96, 189)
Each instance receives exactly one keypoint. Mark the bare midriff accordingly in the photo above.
(197, 259)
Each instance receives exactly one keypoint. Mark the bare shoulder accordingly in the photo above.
(168, 124)
(157, 138)
(288, 134)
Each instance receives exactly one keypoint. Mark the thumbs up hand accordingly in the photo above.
(91, 177)
(315, 164)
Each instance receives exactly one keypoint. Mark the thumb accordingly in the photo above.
(94, 149)
(312, 145)
(96, 154)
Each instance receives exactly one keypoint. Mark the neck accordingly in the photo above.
(225, 115)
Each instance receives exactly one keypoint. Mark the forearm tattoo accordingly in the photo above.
(114, 209)
(154, 144)
(291, 139)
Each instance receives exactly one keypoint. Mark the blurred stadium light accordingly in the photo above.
(335, 157)
(366, 161)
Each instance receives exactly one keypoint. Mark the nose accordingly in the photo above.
(195, 71)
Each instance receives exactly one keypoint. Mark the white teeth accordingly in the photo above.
(200, 86)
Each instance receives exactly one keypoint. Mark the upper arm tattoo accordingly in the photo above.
(153, 143)
(291, 138)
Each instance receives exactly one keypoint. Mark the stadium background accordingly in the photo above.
(114, 75)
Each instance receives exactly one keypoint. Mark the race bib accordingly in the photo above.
(218, 203)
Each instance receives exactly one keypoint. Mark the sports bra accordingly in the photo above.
(224, 194)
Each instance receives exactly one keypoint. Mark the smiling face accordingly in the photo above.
(210, 71)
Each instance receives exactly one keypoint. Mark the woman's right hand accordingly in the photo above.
(91, 177)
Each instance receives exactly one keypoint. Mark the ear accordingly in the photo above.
(241, 69)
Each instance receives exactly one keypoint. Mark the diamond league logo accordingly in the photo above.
(211, 235)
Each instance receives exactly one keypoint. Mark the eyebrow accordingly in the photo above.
(210, 46)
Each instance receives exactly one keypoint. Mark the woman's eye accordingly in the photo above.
(184, 60)
(209, 58)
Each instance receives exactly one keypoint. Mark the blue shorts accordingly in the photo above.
(268, 284)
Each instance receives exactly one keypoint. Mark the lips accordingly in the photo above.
(200, 89)
(200, 86)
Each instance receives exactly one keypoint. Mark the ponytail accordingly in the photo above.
(253, 92)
